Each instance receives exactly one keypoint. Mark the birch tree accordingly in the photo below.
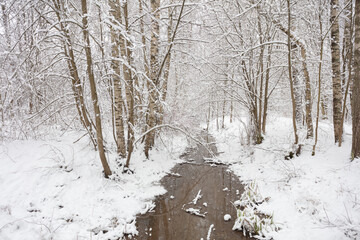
(336, 74)
(115, 9)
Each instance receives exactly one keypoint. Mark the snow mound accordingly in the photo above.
(227, 217)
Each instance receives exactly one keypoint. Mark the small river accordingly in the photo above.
(198, 196)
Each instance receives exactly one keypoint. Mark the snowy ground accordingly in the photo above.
(312, 197)
(55, 189)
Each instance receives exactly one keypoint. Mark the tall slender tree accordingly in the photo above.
(115, 9)
(153, 82)
(347, 63)
(290, 74)
(126, 53)
(355, 152)
(94, 95)
(336, 74)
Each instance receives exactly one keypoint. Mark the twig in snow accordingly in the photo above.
(347, 214)
(173, 174)
(209, 232)
(198, 196)
(195, 212)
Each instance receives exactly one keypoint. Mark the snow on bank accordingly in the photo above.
(312, 197)
(55, 189)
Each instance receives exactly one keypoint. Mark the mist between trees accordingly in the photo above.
(122, 71)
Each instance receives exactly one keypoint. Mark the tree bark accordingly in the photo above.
(261, 87)
(290, 75)
(166, 71)
(355, 151)
(115, 9)
(346, 54)
(94, 95)
(297, 85)
(266, 93)
(143, 40)
(324, 107)
(308, 99)
(319, 81)
(145, 62)
(126, 53)
(153, 84)
(5, 18)
(335, 63)
(348, 58)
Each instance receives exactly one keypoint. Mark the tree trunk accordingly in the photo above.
(297, 81)
(308, 99)
(261, 69)
(290, 76)
(106, 73)
(5, 18)
(335, 63)
(152, 84)
(266, 93)
(255, 128)
(126, 53)
(146, 64)
(324, 107)
(348, 58)
(94, 96)
(143, 40)
(231, 111)
(319, 80)
(347, 44)
(116, 76)
(166, 70)
(297, 87)
(355, 151)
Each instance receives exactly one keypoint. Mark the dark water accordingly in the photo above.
(219, 188)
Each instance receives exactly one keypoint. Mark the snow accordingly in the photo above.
(311, 197)
(237, 203)
(209, 232)
(55, 189)
(195, 211)
(196, 199)
(227, 217)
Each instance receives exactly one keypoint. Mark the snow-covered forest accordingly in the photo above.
(179, 119)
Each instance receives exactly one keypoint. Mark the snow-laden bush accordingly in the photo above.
(251, 196)
(249, 218)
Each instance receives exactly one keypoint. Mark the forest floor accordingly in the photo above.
(54, 188)
(311, 197)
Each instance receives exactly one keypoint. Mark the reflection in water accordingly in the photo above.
(219, 188)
